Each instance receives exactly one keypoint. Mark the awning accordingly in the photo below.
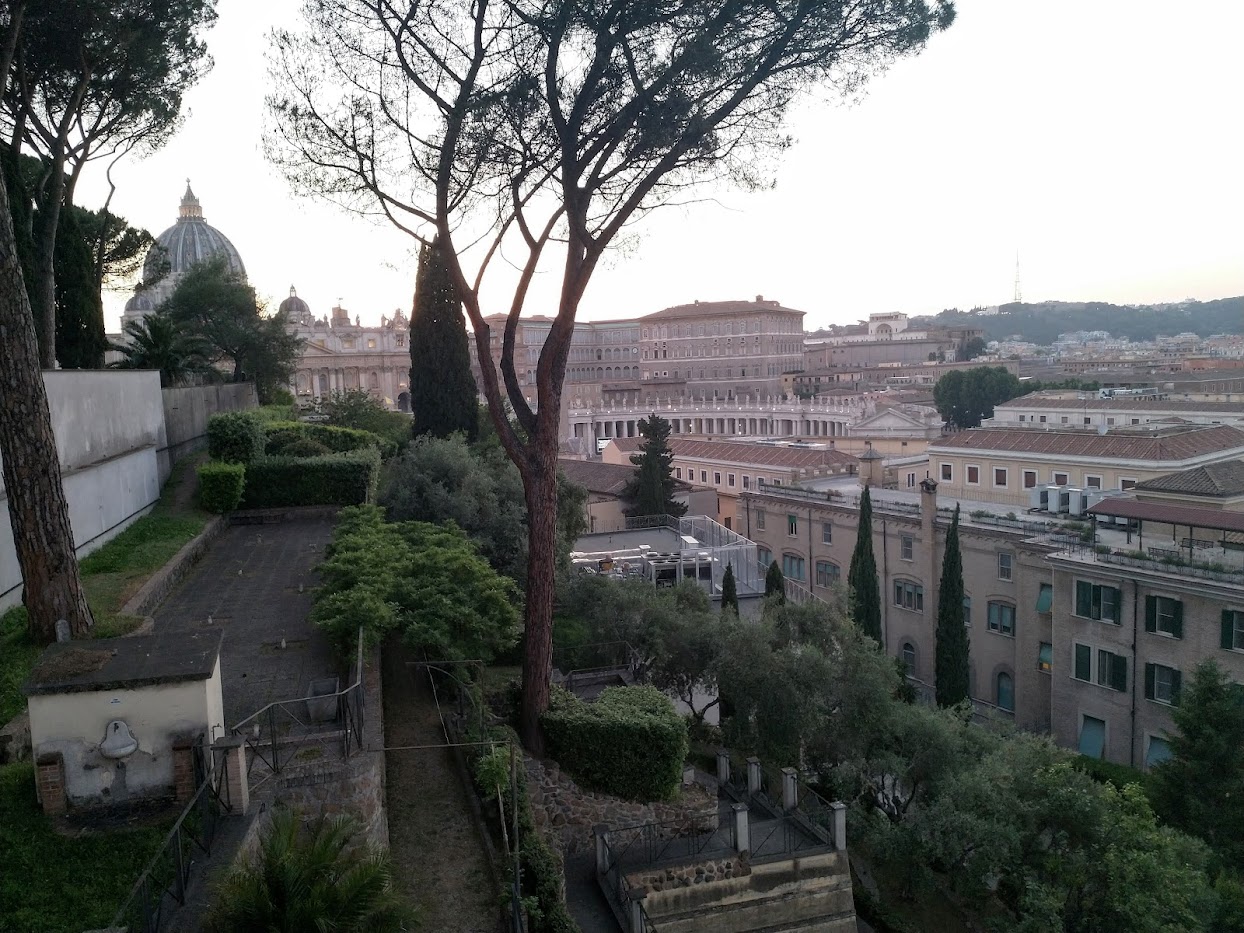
(1125, 507)
(1045, 599)
(1045, 657)
(1092, 737)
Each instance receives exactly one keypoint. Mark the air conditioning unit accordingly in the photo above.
(1077, 501)
(1057, 500)
(1038, 496)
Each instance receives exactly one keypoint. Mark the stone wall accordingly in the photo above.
(568, 813)
(186, 410)
(684, 876)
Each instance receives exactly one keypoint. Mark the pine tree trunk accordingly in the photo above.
(43, 292)
(540, 489)
(38, 512)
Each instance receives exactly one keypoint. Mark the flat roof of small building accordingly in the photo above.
(87, 665)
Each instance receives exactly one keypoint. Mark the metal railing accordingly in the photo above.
(166, 879)
(277, 733)
(670, 841)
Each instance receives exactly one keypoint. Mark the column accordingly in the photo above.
(723, 766)
(237, 783)
(840, 825)
(753, 775)
(742, 840)
(790, 788)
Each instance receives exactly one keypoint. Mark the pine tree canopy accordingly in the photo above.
(651, 490)
(442, 389)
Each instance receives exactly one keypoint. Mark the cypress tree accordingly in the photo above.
(952, 635)
(442, 389)
(651, 490)
(862, 578)
(729, 592)
(775, 583)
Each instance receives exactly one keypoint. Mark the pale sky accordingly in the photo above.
(1101, 141)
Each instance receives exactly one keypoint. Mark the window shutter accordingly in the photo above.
(1228, 629)
(1150, 674)
(1084, 662)
(1118, 672)
(1151, 613)
(1084, 598)
(1178, 627)
(1176, 684)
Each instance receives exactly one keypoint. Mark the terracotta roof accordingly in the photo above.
(790, 458)
(1214, 479)
(1171, 444)
(718, 307)
(606, 478)
(1123, 404)
(1212, 519)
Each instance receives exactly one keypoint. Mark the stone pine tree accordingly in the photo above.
(442, 390)
(651, 490)
(952, 634)
(775, 582)
(862, 578)
(729, 591)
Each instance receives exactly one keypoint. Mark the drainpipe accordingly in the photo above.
(1131, 760)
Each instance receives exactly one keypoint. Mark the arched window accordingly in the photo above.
(323, 383)
(1006, 692)
(374, 380)
(909, 657)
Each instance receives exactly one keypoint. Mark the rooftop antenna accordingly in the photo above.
(1019, 295)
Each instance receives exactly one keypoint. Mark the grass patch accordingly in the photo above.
(52, 883)
(110, 577)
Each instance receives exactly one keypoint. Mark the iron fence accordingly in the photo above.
(165, 882)
(688, 839)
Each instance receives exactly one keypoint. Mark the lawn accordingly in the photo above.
(110, 576)
(52, 883)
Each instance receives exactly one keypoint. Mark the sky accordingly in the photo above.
(1100, 143)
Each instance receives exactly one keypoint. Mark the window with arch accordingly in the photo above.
(909, 657)
(1005, 696)
(792, 567)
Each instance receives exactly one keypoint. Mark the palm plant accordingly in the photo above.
(312, 877)
(157, 342)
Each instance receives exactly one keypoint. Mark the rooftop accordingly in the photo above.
(1169, 514)
(125, 663)
(1162, 443)
(792, 458)
(1214, 480)
(1041, 400)
(605, 478)
(720, 307)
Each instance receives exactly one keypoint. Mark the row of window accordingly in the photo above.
(731, 481)
(1164, 615)
(1162, 683)
(1029, 478)
(792, 523)
(1066, 419)
(793, 567)
(1093, 742)
(772, 326)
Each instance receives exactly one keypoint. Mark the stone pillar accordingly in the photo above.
(635, 896)
(183, 769)
(742, 837)
(601, 832)
(50, 782)
(723, 766)
(840, 825)
(753, 775)
(790, 788)
(237, 784)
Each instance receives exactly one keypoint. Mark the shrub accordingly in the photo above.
(338, 440)
(235, 437)
(631, 742)
(276, 412)
(1109, 772)
(220, 486)
(305, 447)
(338, 479)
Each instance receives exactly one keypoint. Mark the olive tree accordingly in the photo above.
(526, 135)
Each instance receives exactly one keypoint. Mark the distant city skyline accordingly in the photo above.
(1094, 140)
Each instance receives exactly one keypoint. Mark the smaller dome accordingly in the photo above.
(294, 308)
(140, 302)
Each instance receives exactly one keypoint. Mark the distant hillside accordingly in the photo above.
(1042, 323)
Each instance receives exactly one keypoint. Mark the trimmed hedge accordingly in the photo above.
(337, 479)
(221, 485)
(304, 448)
(281, 434)
(235, 437)
(631, 742)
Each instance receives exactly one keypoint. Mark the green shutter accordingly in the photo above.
(1118, 672)
(1228, 629)
(1151, 613)
(1084, 662)
(1150, 674)
(1179, 619)
(1176, 685)
(1084, 599)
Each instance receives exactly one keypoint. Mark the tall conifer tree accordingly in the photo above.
(952, 635)
(862, 578)
(729, 591)
(651, 490)
(442, 390)
(775, 582)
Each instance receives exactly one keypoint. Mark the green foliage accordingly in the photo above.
(426, 581)
(971, 349)
(442, 390)
(652, 489)
(337, 479)
(967, 396)
(235, 437)
(775, 583)
(862, 577)
(630, 742)
(729, 591)
(280, 434)
(157, 342)
(492, 772)
(53, 882)
(18, 655)
(359, 409)
(952, 673)
(80, 340)
(220, 486)
(312, 877)
(1109, 772)
(305, 448)
(1201, 787)
(277, 411)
